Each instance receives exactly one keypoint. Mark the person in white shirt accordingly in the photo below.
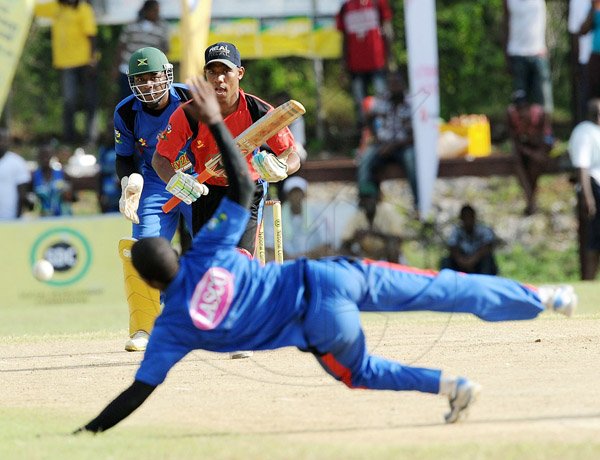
(14, 180)
(584, 150)
(306, 231)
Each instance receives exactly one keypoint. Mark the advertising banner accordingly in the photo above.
(423, 73)
(83, 252)
(14, 26)
(259, 28)
(195, 24)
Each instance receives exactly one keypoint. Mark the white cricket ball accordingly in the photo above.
(42, 270)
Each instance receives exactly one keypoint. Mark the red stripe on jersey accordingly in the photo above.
(400, 267)
(204, 147)
(339, 370)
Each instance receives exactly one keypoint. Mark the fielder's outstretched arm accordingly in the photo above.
(206, 108)
(121, 407)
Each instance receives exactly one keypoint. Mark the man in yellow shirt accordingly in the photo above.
(74, 54)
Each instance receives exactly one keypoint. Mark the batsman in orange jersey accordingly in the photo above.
(223, 70)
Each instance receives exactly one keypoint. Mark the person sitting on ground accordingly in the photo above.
(375, 230)
(305, 232)
(526, 131)
(218, 299)
(390, 123)
(51, 187)
(471, 245)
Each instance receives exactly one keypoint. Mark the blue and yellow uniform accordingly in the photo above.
(137, 131)
(223, 301)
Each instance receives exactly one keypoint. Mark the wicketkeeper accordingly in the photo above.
(139, 119)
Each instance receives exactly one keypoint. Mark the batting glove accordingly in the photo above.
(131, 190)
(269, 167)
(186, 187)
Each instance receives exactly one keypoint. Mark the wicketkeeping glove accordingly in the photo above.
(131, 190)
(269, 167)
(186, 187)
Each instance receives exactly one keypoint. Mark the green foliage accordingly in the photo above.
(540, 264)
(473, 74)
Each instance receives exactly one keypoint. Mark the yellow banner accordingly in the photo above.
(83, 251)
(14, 26)
(194, 27)
(276, 37)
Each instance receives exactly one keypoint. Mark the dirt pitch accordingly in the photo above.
(540, 384)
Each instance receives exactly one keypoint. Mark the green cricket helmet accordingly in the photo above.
(150, 74)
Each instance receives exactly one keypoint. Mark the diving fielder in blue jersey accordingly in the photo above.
(139, 121)
(218, 299)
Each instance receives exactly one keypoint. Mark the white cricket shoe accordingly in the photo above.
(240, 354)
(465, 395)
(560, 298)
(137, 342)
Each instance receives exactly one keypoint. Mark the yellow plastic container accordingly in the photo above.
(476, 129)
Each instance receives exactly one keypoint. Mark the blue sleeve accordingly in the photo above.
(162, 354)
(224, 229)
(454, 238)
(487, 235)
(124, 140)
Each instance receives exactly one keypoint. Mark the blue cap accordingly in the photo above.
(223, 52)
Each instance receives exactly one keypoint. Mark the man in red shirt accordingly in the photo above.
(366, 27)
(223, 71)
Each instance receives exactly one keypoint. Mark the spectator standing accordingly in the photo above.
(582, 48)
(592, 24)
(53, 191)
(367, 33)
(392, 138)
(526, 131)
(375, 230)
(149, 30)
(471, 245)
(584, 150)
(527, 54)
(75, 55)
(14, 180)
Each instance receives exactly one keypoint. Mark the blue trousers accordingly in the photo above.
(153, 220)
(341, 288)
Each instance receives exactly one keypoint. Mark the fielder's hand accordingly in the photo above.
(269, 167)
(186, 187)
(131, 190)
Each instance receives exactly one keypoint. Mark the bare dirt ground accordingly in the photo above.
(540, 382)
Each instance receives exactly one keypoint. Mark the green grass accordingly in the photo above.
(31, 435)
(44, 433)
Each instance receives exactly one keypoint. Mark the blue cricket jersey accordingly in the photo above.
(222, 301)
(137, 131)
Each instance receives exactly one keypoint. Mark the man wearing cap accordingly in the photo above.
(223, 70)
(305, 229)
(138, 120)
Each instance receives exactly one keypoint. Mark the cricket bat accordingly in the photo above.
(249, 140)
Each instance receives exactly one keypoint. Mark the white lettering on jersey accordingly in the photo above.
(212, 298)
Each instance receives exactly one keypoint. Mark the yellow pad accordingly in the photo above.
(143, 300)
